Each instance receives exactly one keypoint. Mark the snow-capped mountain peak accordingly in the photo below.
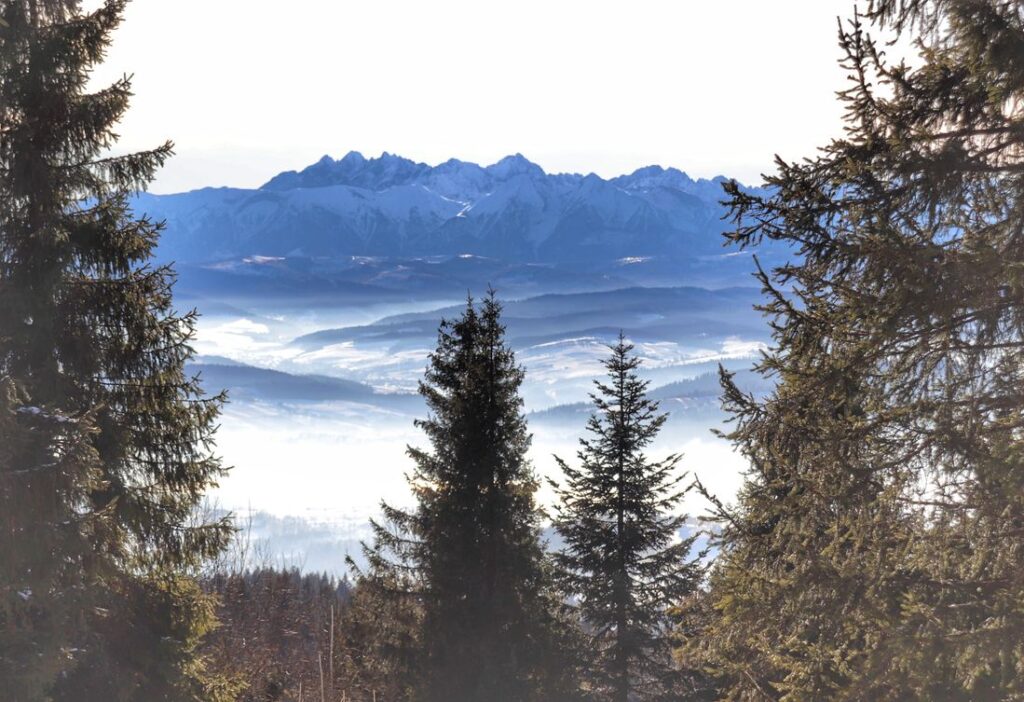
(394, 206)
(514, 165)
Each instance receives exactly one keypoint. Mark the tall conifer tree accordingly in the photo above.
(623, 558)
(105, 438)
(471, 548)
(877, 549)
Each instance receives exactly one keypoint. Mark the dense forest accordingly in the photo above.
(874, 552)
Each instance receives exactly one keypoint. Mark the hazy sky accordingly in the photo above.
(249, 88)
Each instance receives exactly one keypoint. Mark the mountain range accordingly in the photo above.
(321, 292)
(394, 207)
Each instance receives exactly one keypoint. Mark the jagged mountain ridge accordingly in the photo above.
(392, 206)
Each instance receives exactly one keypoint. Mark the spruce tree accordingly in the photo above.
(623, 559)
(470, 550)
(876, 551)
(106, 440)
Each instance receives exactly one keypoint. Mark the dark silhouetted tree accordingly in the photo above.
(470, 551)
(624, 558)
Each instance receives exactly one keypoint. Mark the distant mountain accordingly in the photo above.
(394, 207)
(692, 316)
(696, 400)
(249, 383)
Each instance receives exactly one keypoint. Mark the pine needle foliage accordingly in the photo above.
(623, 559)
(106, 441)
(470, 550)
(876, 551)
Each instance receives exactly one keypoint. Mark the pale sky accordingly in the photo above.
(248, 88)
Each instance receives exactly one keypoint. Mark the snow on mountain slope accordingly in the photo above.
(392, 206)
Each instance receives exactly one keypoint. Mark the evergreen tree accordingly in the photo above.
(380, 634)
(105, 438)
(877, 549)
(623, 558)
(471, 548)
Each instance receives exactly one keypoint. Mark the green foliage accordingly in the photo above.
(877, 549)
(470, 551)
(106, 441)
(623, 559)
(381, 632)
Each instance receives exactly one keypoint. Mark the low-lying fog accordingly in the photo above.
(322, 400)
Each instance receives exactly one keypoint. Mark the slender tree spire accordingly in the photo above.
(623, 557)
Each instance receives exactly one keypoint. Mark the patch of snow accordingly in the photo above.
(737, 348)
(633, 260)
(465, 205)
(575, 341)
(243, 326)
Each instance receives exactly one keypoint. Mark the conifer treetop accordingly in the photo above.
(624, 559)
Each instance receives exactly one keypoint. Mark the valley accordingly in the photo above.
(321, 293)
